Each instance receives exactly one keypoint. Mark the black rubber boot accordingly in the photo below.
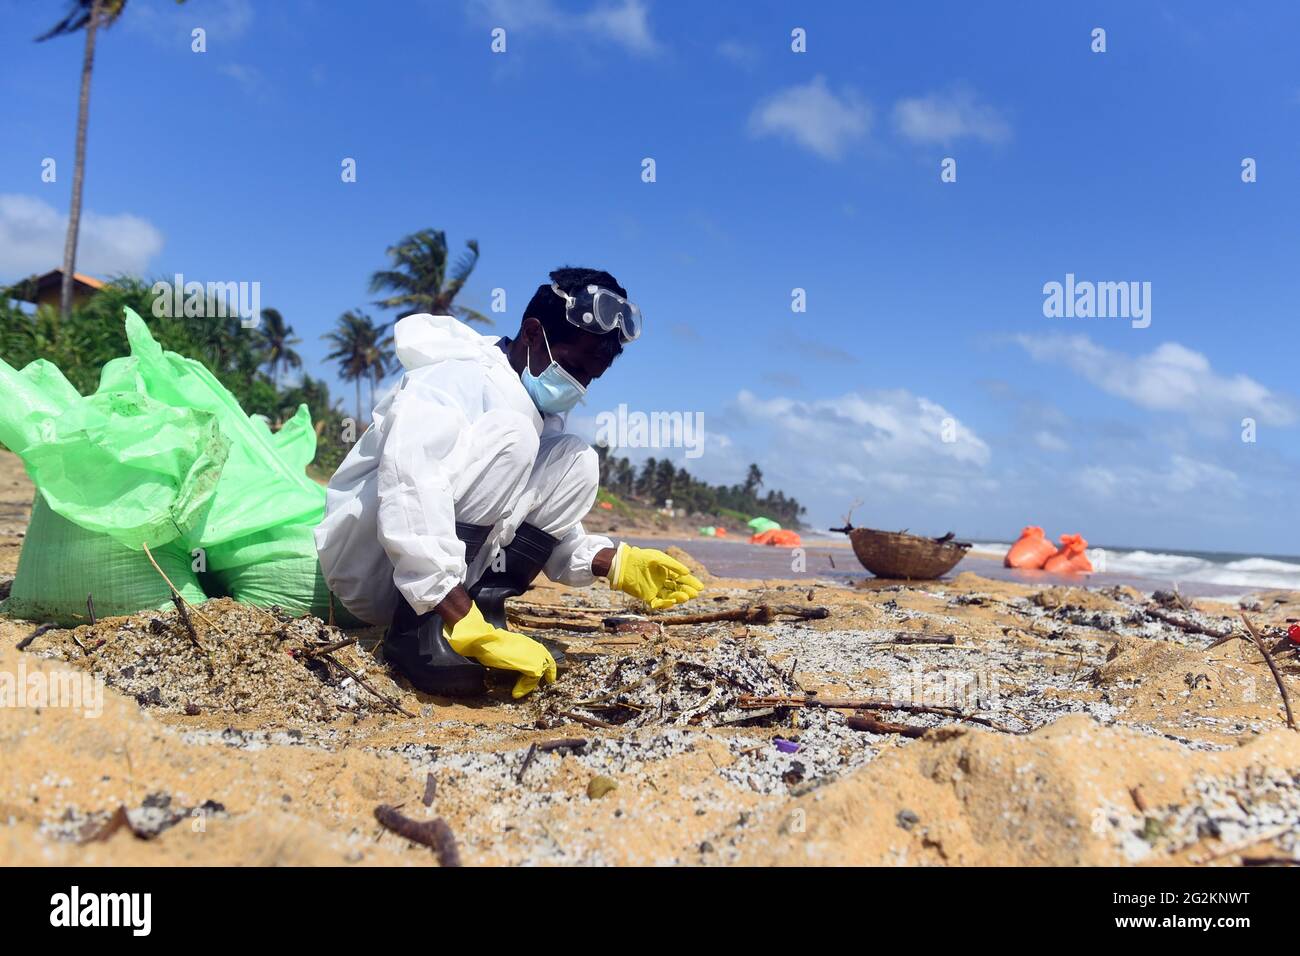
(522, 560)
(416, 645)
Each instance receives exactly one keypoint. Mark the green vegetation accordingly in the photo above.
(658, 481)
(246, 361)
(617, 504)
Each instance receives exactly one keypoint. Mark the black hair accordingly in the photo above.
(548, 308)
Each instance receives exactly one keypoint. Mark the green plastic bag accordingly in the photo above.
(759, 525)
(161, 450)
(62, 564)
(119, 463)
(263, 483)
(161, 455)
(277, 566)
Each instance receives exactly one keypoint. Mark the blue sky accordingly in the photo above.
(775, 170)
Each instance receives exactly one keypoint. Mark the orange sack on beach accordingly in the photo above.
(1072, 558)
(1031, 550)
(777, 538)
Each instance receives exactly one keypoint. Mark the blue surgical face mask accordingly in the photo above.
(555, 391)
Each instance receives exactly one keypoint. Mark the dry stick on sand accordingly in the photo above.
(546, 746)
(586, 721)
(752, 614)
(538, 624)
(528, 759)
(26, 641)
(388, 701)
(181, 605)
(903, 637)
(1246, 844)
(871, 725)
(548, 610)
(1160, 614)
(435, 833)
(751, 702)
(327, 648)
(1268, 659)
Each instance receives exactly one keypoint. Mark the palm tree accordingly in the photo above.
(645, 484)
(88, 15)
(277, 337)
(419, 278)
(379, 359)
(357, 348)
(665, 476)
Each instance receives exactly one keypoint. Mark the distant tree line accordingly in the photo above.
(658, 481)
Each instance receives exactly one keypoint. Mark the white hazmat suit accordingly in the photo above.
(456, 439)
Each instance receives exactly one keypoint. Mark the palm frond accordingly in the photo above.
(470, 315)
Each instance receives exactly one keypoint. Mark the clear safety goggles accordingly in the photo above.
(596, 308)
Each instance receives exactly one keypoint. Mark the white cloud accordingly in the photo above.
(626, 22)
(1160, 488)
(248, 77)
(1050, 441)
(870, 431)
(813, 116)
(1171, 378)
(32, 233)
(741, 54)
(949, 116)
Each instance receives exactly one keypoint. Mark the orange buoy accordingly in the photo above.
(1031, 550)
(1072, 558)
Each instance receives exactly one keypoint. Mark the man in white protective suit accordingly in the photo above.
(466, 486)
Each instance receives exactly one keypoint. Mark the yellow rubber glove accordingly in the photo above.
(656, 578)
(505, 650)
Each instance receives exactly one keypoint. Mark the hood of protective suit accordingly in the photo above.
(423, 339)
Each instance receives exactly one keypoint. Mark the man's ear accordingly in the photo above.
(530, 330)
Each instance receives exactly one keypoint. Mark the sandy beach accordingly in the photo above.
(1023, 724)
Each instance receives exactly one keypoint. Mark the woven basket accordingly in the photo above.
(890, 554)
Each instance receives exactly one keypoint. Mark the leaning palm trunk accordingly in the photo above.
(79, 170)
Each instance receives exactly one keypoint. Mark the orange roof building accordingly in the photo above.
(46, 289)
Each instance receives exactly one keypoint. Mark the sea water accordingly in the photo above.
(1193, 573)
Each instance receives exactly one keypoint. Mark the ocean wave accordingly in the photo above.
(1252, 572)
(1246, 572)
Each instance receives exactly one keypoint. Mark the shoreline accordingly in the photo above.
(834, 560)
